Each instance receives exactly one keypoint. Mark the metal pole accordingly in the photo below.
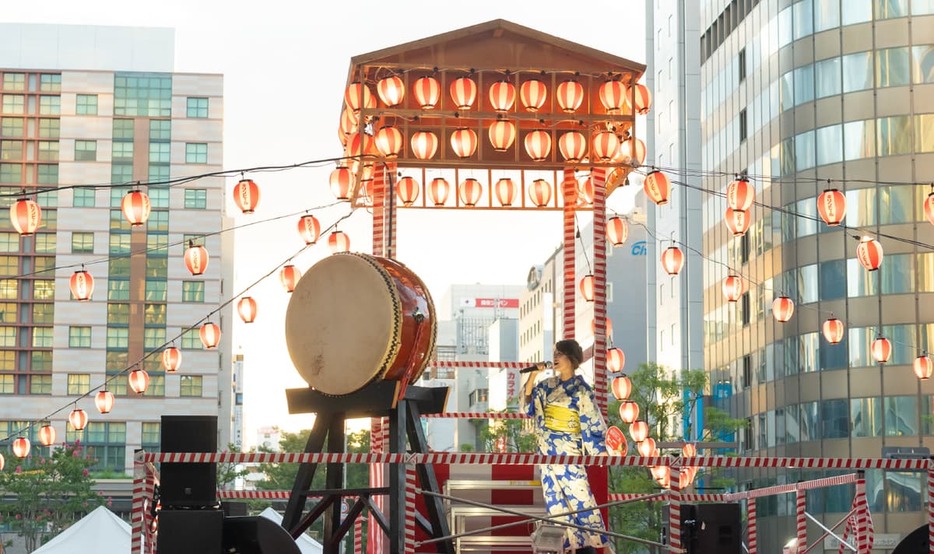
(830, 531)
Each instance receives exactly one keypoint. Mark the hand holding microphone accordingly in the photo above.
(537, 367)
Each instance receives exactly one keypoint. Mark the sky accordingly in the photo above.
(285, 66)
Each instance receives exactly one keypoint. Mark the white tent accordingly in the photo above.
(100, 532)
(306, 544)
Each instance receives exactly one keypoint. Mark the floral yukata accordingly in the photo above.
(568, 422)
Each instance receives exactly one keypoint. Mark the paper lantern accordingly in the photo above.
(25, 215)
(609, 327)
(424, 144)
(357, 96)
(929, 206)
(604, 145)
(361, 144)
(642, 99)
(138, 380)
(573, 146)
(463, 92)
(615, 361)
(2, 462)
(506, 191)
(438, 191)
(740, 194)
(246, 307)
(621, 387)
(881, 349)
(540, 193)
(47, 435)
(657, 187)
(646, 447)
(469, 192)
(632, 151)
(869, 253)
(570, 96)
(391, 90)
(136, 207)
(21, 447)
(309, 228)
(733, 288)
(104, 401)
(689, 450)
(464, 142)
(831, 205)
(210, 335)
(628, 411)
(289, 276)
(246, 195)
(502, 96)
(672, 260)
(78, 419)
(348, 125)
(171, 359)
(833, 330)
(81, 285)
(533, 94)
(502, 135)
(389, 141)
(338, 241)
(427, 92)
(617, 230)
(783, 308)
(587, 287)
(639, 430)
(407, 190)
(538, 145)
(586, 189)
(196, 258)
(923, 367)
(341, 182)
(737, 221)
(613, 96)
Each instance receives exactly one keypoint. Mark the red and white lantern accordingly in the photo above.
(506, 191)
(78, 419)
(104, 401)
(923, 367)
(587, 287)
(570, 96)
(210, 335)
(82, 285)
(464, 142)
(246, 195)
(831, 205)
(463, 92)
(869, 253)
(171, 359)
(21, 447)
(613, 96)
(929, 206)
(538, 145)
(881, 349)
(628, 411)
(615, 361)
(438, 191)
(502, 135)
(138, 380)
(657, 187)
(621, 386)
(605, 145)
(407, 190)
(833, 330)
(737, 221)
(25, 215)
(502, 96)
(427, 92)
(646, 447)
(424, 145)
(196, 258)
(540, 193)
(246, 307)
(639, 430)
(533, 94)
(289, 276)
(740, 194)
(391, 90)
(389, 141)
(672, 260)
(783, 308)
(733, 288)
(338, 241)
(469, 192)
(136, 207)
(573, 146)
(617, 230)
(632, 152)
(642, 99)
(47, 435)
(609, 327)
(585, 188)
(357, 96)
(309, 228)
(341, 182)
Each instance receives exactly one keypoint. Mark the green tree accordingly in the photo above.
(228, 473)
(48, 494)
(506, 435)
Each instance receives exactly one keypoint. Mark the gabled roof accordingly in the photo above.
(100, 532)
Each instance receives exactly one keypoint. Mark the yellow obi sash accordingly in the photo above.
(561, 419)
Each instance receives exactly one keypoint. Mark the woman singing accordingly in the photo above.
(567, 422)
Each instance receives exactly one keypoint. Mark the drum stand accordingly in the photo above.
(378, 399)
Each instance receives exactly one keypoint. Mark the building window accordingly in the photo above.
(191, 340)
(196, 153)
(82, 242)
(741, 63)
(79, 383)
(14, 81)
(79, 336)
(86, 104)
(190, 385)
(83, 197)
(106, 442)
(42, 337)
(197, 107)
(40, 384)
(14, 103)
(50, 105)
(192, 291)
(196, 199)
(160, 152)
(50, 82)
(742, 126)
(155, 290)
(151, 436)
(85, 150)
(747, 371)
(153, 338)
(118, 338)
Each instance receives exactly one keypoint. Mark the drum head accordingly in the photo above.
(342, 324)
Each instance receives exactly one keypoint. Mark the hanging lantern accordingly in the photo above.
(533, 94)
(615, 361)
(538, 145)
(639, 430)
(617, 230)
(463, 92)
(82, 285)
(196, 258)
(47, 435)
(540, 193)
(424, 144)
(632, 151)
(357, 96)
(643, 99)
(289, 275)
(628, 411)
(21, 447)
(172, 359)
(2, 462)
(338, 241)
(923, 366)
(136, 207)
(502, 135)
(246, 195)
(210, 335)
(869, 253)
(427, 92)
(831, 205)
(609, 327)
(407, 190)
(573, 146)
(469, 192)
(502, 96)
(605, 145)
(672, 260)
(783, 308)
(104, 400)
(733, 288)
(833, 330)
(685, 477)
(929, 206)
(689, 450)
(585, 189)
(388, 141)
(78, 419)
(438, 191)
(391, 90)
(138, 380)
(464, 142)
(613, 96)
(309, 228)
(657, 187)
(361, 144)
(740, 194)
(737, 221)
(348, 125)
(881, 349)
(246, 307)
(646, 447)
(25, 214)
(587, 287)
(570, 96)
(621, 387)
(506, 191)
(341, 182)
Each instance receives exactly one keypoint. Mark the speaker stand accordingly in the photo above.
(378, 399)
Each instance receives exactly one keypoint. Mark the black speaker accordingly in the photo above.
(190, 532)
(257, 535)
(188, 485)
(915, 543)
(235, 509)
(712, 528)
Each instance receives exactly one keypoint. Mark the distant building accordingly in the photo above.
(268, 438)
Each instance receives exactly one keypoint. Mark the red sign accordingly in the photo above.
(616, 441)
(496, 302)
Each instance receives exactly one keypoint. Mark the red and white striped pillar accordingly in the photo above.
(410, 508)
(569, 316)
(600, 387)
(674, 511)
(374, 543)
(801, 522)
(149, 491)
(752, 526)
(137, 509)
(931, 510)
(379, 211)
(358, 536)
(862, 515)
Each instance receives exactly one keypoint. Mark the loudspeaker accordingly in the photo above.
(712, 528)
(190, 531)
(257, 535)
(188, 485)
(915, 543)
(234, 508)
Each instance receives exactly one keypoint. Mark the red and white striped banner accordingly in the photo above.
(478, 365)
(598, 177)
(569, 258)
(358, 535)
(674, 512)
(478, 415)
(137, 508)
(752, 527)
(375, 536)
(931, 511)
(255, 495)
(801, 522)
(410, 508)
(794, 487)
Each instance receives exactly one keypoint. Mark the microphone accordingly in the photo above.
(532, 368)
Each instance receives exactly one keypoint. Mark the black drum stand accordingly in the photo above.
(378, 399)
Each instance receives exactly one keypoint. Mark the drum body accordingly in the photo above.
(354, 318)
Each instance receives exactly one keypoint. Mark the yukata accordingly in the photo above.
(567, 422)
